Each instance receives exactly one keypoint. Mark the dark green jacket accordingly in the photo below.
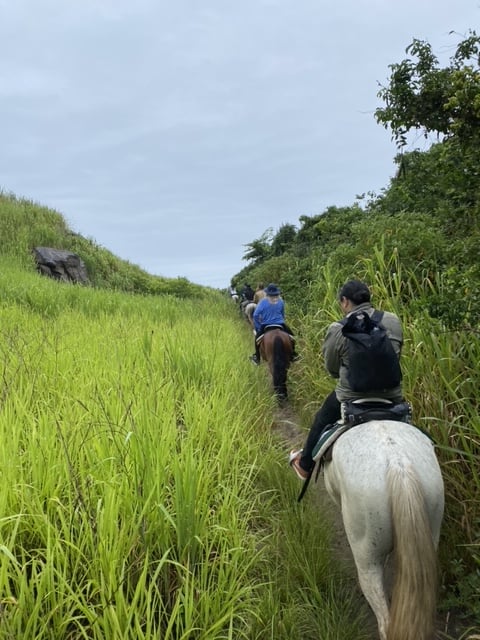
(336, 357)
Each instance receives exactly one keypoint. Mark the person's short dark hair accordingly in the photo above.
(355, 291)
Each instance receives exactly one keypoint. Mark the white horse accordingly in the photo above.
(248, 311)
(386, 479)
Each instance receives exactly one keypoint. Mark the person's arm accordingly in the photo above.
(332, 348)
(392, 324)
(257, 316)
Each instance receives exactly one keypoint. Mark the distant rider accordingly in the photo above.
(232, 292)
(259, 293)
(247, 293)
(270, 311)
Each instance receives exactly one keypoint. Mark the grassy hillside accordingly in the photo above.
(25, 224)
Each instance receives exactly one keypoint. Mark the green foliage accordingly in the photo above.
(442, 183)
(456, 297)
(259, 250)
(283, 239)
(428, 218)
(326, 230)
(423, 96)
(465, 588)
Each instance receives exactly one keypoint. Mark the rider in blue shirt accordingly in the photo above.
(269, 311)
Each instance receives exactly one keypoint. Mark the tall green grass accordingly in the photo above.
(144, 494)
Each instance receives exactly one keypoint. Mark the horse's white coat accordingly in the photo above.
(248, 310)
(357, 480)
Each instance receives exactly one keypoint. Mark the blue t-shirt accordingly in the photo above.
(269, 313)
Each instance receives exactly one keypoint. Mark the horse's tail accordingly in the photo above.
(279, 367)
(412, 612)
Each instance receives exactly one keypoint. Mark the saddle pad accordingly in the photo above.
(269, 328)
(324, 443)
(328, 438)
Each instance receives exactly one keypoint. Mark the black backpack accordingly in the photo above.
(373, 363)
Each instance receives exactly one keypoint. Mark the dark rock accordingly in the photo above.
(61, 265)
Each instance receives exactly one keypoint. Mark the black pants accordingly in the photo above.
(328, 414)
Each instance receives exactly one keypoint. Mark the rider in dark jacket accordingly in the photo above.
(354, 296)
(247, 293)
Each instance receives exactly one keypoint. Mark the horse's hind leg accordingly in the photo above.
(369, 554)
(371, 583)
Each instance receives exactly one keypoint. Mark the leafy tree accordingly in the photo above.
(421, 95)
(260, 249)
(442, 182)
(326, 230)
(283, 239)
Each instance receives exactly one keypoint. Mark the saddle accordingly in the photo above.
(270, 327)
(357, 412)
(353, 413)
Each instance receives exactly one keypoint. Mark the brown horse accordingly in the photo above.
(276, 349)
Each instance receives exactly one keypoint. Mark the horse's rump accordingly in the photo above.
(272, 335)
(363, 454)
(387, 480)
(276, 348)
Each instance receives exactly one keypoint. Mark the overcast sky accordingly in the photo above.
(175, 133)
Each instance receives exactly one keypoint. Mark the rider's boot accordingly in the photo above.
(255, 358)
